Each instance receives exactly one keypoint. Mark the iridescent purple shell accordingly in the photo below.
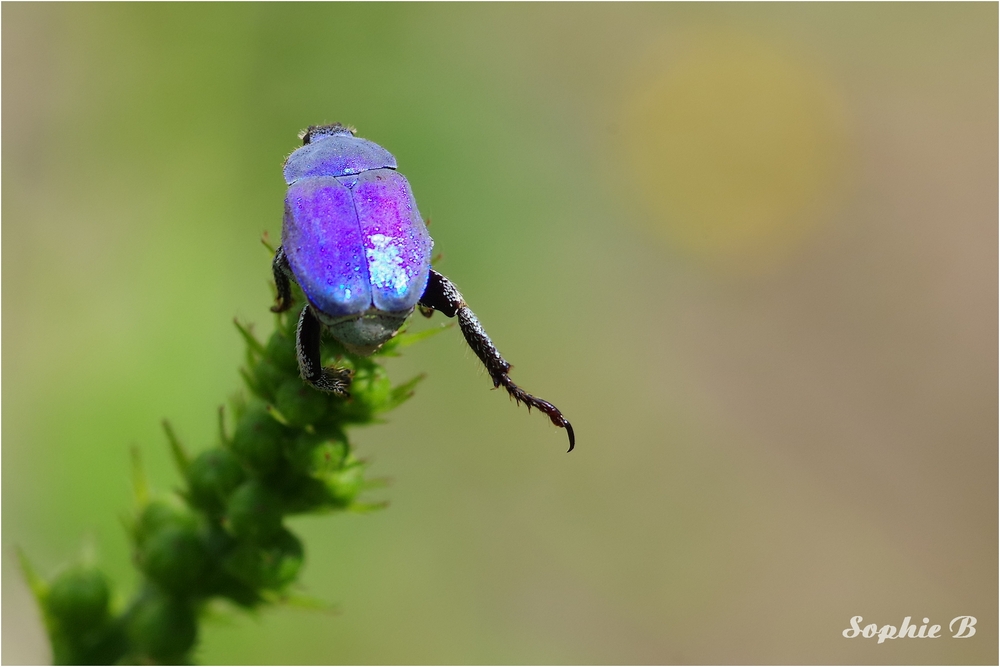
(352, 233)
(338, 154)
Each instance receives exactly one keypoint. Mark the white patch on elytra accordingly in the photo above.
(385, 264)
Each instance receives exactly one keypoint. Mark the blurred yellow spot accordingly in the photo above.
(735, 147)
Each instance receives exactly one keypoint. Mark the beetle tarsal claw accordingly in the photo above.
(569, 432)
(334, 380)
(521, 396)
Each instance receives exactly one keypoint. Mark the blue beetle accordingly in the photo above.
(355, 243)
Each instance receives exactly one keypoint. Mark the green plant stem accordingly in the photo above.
(223, 536)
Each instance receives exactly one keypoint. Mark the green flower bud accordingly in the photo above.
(344, 485)
(174, 557)
(216, 582)
(162, 628)
(305, 494)
(225, 585)
(259, 439)
(78, 599)
(105, 644)
(299, 404)
(280, 351)
(312, 453)
(269, 377)
(253, 513)
(372, 389)
(272, 566)
(157, 515)
(212, 477)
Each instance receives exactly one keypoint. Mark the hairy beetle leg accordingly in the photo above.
(443, 296)
(308, 334)
(280, 268)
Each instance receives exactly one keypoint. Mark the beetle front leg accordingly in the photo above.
(442, 295)
(307, 345)
(281, 270)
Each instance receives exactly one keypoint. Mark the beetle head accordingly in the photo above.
(314, 131)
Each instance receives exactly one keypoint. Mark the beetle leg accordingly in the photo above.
(307, 340)
(281, 270)
(442, 295)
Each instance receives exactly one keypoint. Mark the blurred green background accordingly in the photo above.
(750, 251)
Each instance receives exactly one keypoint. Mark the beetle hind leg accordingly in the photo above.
(307, 345)
(442, 295)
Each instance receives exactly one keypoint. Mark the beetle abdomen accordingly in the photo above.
(366, 333)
